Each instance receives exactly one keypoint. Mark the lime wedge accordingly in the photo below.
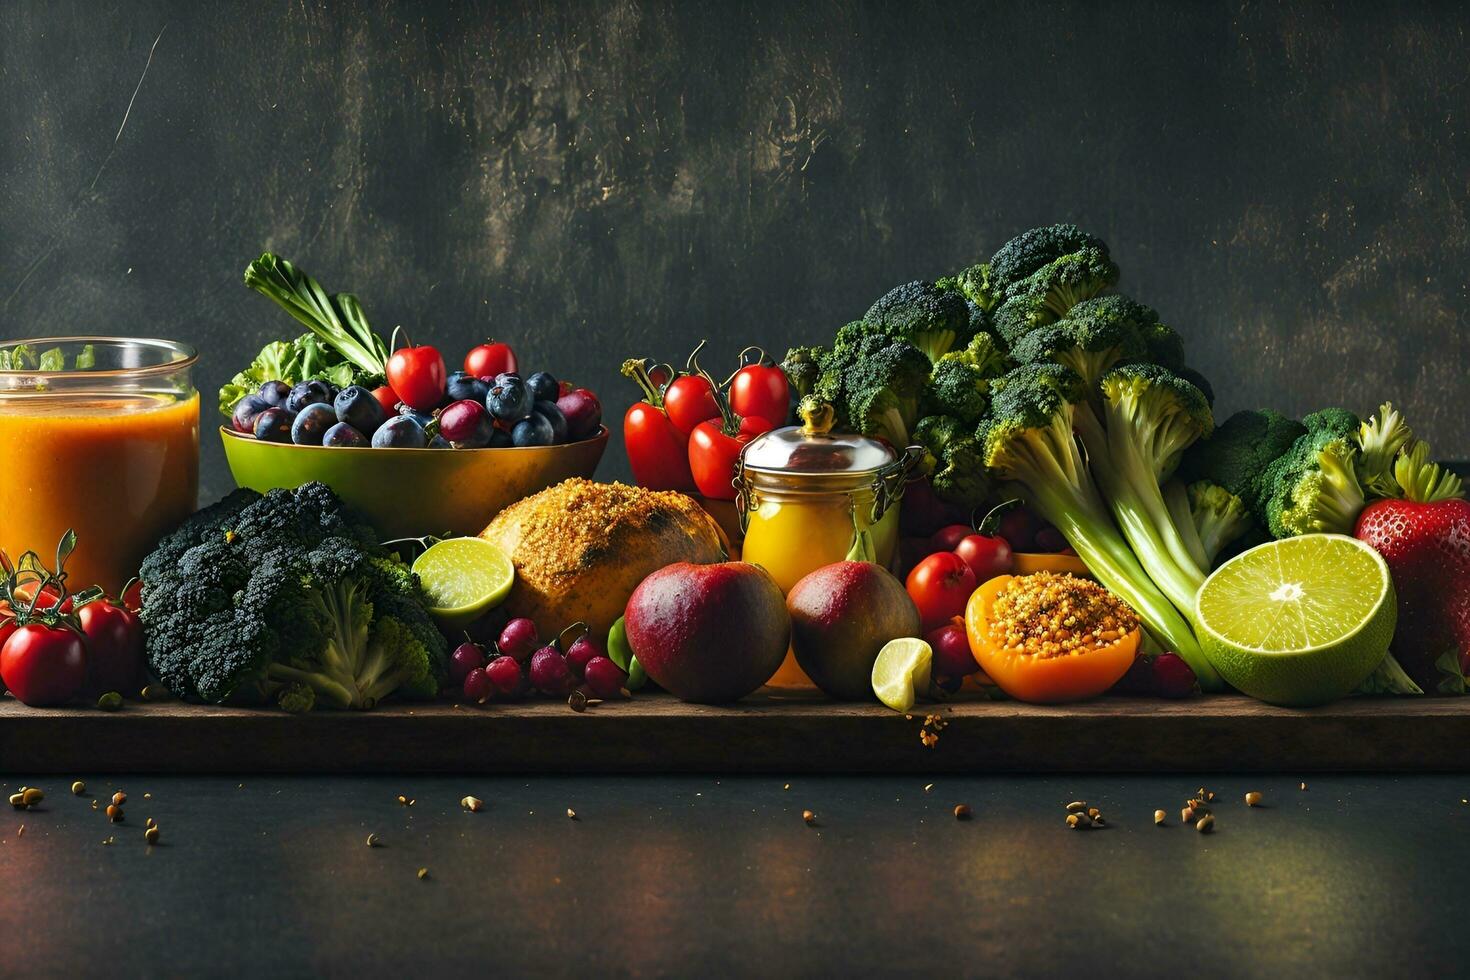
(1300, 621)
(901, 672)
(462, 578)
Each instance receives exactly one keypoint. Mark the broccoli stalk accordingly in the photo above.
(1028, 441)
(1379, 440)
(1208, 518)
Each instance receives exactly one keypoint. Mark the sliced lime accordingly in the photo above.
(1300, 621)
(462, 578)
(901, 672)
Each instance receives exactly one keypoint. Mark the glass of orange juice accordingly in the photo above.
(99, 435)
(804, 492)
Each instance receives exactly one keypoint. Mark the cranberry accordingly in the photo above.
(583, 650)
(477, 685)
(518, 639)
(465, 658)
(606, 678)
(506, 677)
(952, 656)
(550, 674)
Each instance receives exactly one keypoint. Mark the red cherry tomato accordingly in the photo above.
(44, 665)
(114, 648)
(489, 359)
(690, 399)
(387, 399)
(656, 450)
(713, 452)
(987, 556)
(940, 586)
(417, 377)
(761, 390)
(948, 538)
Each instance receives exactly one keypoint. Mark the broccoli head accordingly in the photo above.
(802, 366)
(1066, 281)
(960, 383)
(260, 596)
(932, 319)
(1314, 486)
(975, 285)
(952, 455)
(1236, 454)
(881, 388)
(1029, 251)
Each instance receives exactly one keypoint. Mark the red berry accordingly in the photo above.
(952, 656)
(581, 651)
(506, 677)
(606, 678)
(476, 685)
(465, 658)
(518, 639)
(1173, 678)
(550, 674)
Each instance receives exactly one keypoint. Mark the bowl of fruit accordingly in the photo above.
(417, 449)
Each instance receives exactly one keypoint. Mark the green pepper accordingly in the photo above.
(622, 655)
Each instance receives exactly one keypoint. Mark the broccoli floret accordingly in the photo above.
(259, 594)
(975, 285)
(1420, 480)
(1209, 518)
(1068, 280)
(1095, 336)
(1018, 316)
(1028, 441)
(1145, 420)
(1379, 440)
(1314, 486)
(802, 366)
(1236, 454)
(932, 319)
(1199, 381)
(882, 389)
(1029, 251)
(960, 383)
(296, 698)
(956, 471)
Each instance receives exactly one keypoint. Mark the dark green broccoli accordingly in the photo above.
(1029, 251)
(1199, 381)
(881, 387)
(1314, 486)
(258, 595)
(1018, 316)
(975, 285)
(802, 366)
(932, 319)
(1028, 441)
(1236, 454)
(1068, 280)
(1092, 339)
(960, 383)
(956, 471)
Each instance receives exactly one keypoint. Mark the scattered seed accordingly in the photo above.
(1093, 812)
(1073, 821)
(94, 804)
(787, 786)
(1083, 819)
(1076, 806)
(108, 840)
(373, 840)
(577, 701)
(30, 796)
(78, 788)
(1158, 818)
(1099, 820)
(1187, 814)
(150, 834)
(21, 831)
(153, 692)
(571, 814)
(1253, 799)
(147, 796)
(119, 798)
(423, 873)
(809, 818)
(1206, 824)
(471, 804)
(114, 813)
(18, 800)
(111, 701)
(1304, 787)
(928, 787)
(1210, 797)
(962, 811)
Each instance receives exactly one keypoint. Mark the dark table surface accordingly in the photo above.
(719, 875)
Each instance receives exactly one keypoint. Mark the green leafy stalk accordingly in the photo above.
(337, 319)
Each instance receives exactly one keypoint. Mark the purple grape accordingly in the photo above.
(583, 649)
(518, 639)
(506, 677)
(274, 425)
(533, 430)
(312, 423)
(466, 425)
(476, 685)
(246, 410)
(552, 414)
(275, 393)
(543, 387)
(306, 393)
(400, 432)
(356, 406)
(344, 436)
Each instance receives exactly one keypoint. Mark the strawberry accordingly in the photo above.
(1424, 536)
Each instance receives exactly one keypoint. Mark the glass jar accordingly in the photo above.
(99, 435)
(804, 493)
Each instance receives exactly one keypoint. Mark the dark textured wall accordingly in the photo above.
(1286, 184)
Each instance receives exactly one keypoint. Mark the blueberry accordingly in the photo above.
(356, 406)
(246, 409)
(500, 439)
(400, 432)
(543, 387)
(558, 421)
(343, 435)
(275, 393)
(308, 393)
(503, 375)
(466, 387)
(274, 425)
(533, 430)
(510, 400)
(312, 423)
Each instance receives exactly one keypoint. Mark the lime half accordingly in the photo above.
(462, 578)
(1300, 621)
(901, 672)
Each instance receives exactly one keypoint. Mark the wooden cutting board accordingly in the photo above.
(764, 733)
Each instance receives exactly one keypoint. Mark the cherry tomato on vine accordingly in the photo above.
(489, 359)
(689, 400)
(761, 390)
(417, 377)
(713, 452)
(656, 450)
(988, 556)
(114, 647)
(940, 586)
(44, 665)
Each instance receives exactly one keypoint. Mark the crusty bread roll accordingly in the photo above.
(580, 548)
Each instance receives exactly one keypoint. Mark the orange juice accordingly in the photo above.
(121, 471)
